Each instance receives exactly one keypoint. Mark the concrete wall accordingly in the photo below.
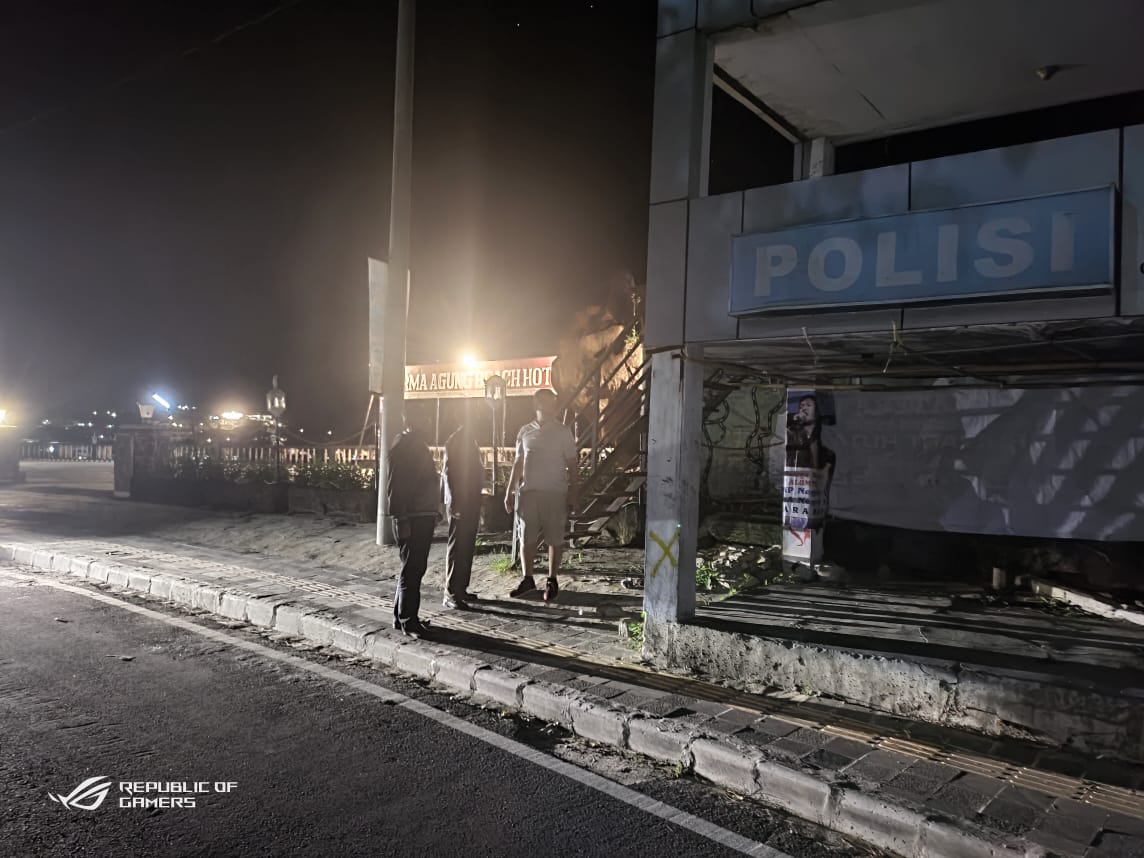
(695, 304)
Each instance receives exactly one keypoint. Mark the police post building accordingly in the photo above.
(898, 240)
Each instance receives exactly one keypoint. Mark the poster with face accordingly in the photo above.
(806, 477)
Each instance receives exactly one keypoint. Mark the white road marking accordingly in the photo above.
(638, 800)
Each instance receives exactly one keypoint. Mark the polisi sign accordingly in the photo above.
(1057, 242)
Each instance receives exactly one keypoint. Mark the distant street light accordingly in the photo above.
(161, 401)
(232, 415)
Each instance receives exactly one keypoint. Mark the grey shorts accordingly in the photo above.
(543, 516)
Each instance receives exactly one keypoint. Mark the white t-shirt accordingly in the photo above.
(547, 451)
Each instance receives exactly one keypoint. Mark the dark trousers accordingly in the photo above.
(459, 557)
(414, 550)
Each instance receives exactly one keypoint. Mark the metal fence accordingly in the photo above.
(365, 457)
(44, 451)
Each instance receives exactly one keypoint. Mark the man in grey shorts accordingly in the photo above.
(543, 485)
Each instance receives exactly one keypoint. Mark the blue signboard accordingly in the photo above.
(1057, 242)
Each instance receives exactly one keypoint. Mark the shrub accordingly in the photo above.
(331, 475)
(206, 468)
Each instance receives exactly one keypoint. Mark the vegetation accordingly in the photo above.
(635, 630)
(204, 468)
(706, 576)
(325, 475)
(501, 563)
(331, 475)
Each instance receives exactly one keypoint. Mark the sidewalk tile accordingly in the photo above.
(1114, 845)
(849, 748)
(879, 767)
(1123, 824)
(790, 748)
(656, 702)
(824, 759)
(733, 720)
(608, 690)
(776, 728)
(813, 738)
(1011, 817)
(922, 779)
(1069, 822)
(958, 801)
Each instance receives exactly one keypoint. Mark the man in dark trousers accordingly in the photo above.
(462, 477)
(412, 489)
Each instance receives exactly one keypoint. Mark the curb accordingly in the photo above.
(684, 742)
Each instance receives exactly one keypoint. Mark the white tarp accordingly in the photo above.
(1039, 462)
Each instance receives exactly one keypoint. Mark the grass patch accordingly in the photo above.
(572, 560)
(635, 634)
(501, 564)
(706, 576)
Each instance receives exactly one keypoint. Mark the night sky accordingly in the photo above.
(196, 220)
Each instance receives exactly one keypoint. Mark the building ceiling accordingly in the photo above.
(859, 69)
(1005, 354)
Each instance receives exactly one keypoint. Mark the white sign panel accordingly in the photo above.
(1065, 463)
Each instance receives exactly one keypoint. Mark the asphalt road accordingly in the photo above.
(322, 768)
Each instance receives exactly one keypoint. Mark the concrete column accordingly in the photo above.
(681, 120)
(681, 133)
(673, 473)
(821, 158)
(813, 159)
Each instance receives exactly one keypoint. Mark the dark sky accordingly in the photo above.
(207, 223)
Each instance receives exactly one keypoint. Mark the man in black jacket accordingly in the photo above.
(412, 489)
(462, 477)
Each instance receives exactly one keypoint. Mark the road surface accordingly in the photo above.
(87, 476)
(303, 754)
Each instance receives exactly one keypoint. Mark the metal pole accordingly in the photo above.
(496, 453)
(397, 269)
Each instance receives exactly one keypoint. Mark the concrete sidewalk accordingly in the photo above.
(907, 788)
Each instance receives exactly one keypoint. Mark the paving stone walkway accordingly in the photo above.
(1069, 804)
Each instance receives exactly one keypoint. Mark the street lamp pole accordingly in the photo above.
(276, 405)
(397, 269)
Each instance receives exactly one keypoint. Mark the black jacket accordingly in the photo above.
(411, 484)
(462, 473)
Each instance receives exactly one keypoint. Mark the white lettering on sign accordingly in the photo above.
(948, 236)
(1008, 256)
(992, 239)
(851, 264)
(1056, 242)
(777, 260)
(886, 273)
